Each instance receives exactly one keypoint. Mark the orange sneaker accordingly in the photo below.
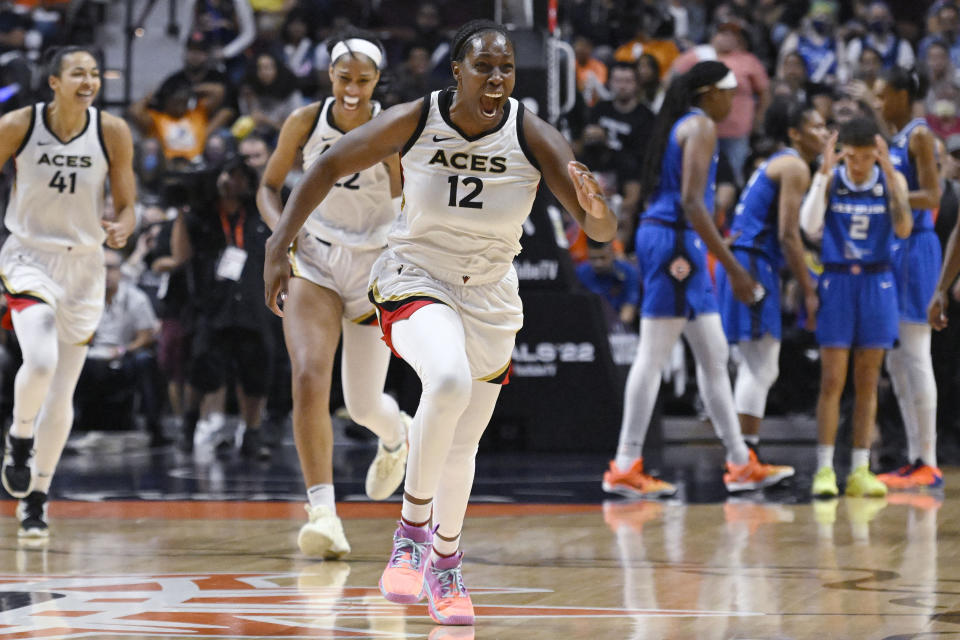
(754, 474)
(897, 479)
(402, 580)
(913, 476)
(924, 476)
(634, 483)
(447, 599)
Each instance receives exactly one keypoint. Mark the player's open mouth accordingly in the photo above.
(85, 94)
(489, 103)
(351, 102)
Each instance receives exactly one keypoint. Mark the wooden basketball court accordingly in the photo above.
(849, 568)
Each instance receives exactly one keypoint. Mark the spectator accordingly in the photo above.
(269, 94)
(622, 121)
(868, 67)
(255, 153)
(653, 35)
(815, 42)
(651, 87)
(616, 281)
(792, 71)
(224, 239)
(752, 93)
(229, 27)
(200, 71)
(948, 32)
(120, 353)
(15, 70)
(944, 76)
(591, 73)
(179, 116)
(300, 50)
(881, 37)
(413, 80)
(428, 34)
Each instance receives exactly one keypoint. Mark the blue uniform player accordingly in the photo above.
(857, 207)
(766, 233)
(674, 233)
(916, 263)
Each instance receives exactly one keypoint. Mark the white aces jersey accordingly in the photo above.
(464, 197)
(58, 193)
(357, 211)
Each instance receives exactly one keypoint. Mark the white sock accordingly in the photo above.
(624, 461)
(321, 495)
(860, 457)
(824, 456)
(445, 547)
(753, 438)
(416, 513)
(42, 483)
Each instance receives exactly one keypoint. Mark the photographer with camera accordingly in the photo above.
(221, 238)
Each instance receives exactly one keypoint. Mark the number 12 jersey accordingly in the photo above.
(464, 197)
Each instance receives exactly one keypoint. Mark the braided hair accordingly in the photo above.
(683, 93)
(913, 81)
(458, 47)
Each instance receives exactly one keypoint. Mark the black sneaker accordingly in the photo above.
(17, 471)
(32, 514)
(253, 446)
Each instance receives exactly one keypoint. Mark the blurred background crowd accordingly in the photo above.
(173, 332)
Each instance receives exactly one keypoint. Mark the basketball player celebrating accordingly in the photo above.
(445, 289)
(680, 173)
(52, 264)
(331, 259)
(916, 262)
(766, 232)
(856, 207)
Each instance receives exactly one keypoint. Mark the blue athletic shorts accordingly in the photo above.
(857, 310)
(742, 322)
(916, 266)
(676, 282)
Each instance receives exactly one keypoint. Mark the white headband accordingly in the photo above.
(357, 45)
(728, 81)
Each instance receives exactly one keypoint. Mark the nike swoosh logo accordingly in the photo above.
(327, 138)
(41, 144)
(886, 285)
(439, 139)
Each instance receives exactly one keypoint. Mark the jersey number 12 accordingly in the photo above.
(59, 182)
(467, 201)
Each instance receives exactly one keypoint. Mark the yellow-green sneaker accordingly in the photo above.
(825, 483)
(861, 483)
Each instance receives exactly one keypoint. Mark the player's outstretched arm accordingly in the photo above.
(123, 183)
(360, 148)
(570, 181)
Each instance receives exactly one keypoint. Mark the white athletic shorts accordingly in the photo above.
(342, 269)
(72, 281)
(491, 313)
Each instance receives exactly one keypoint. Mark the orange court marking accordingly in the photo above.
(237, 510)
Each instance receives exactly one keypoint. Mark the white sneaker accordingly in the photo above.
(323, 536)
(386, 471)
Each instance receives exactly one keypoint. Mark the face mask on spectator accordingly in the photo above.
(822, 27)
(879, 27)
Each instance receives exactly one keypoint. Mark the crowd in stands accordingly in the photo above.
(206, 131)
